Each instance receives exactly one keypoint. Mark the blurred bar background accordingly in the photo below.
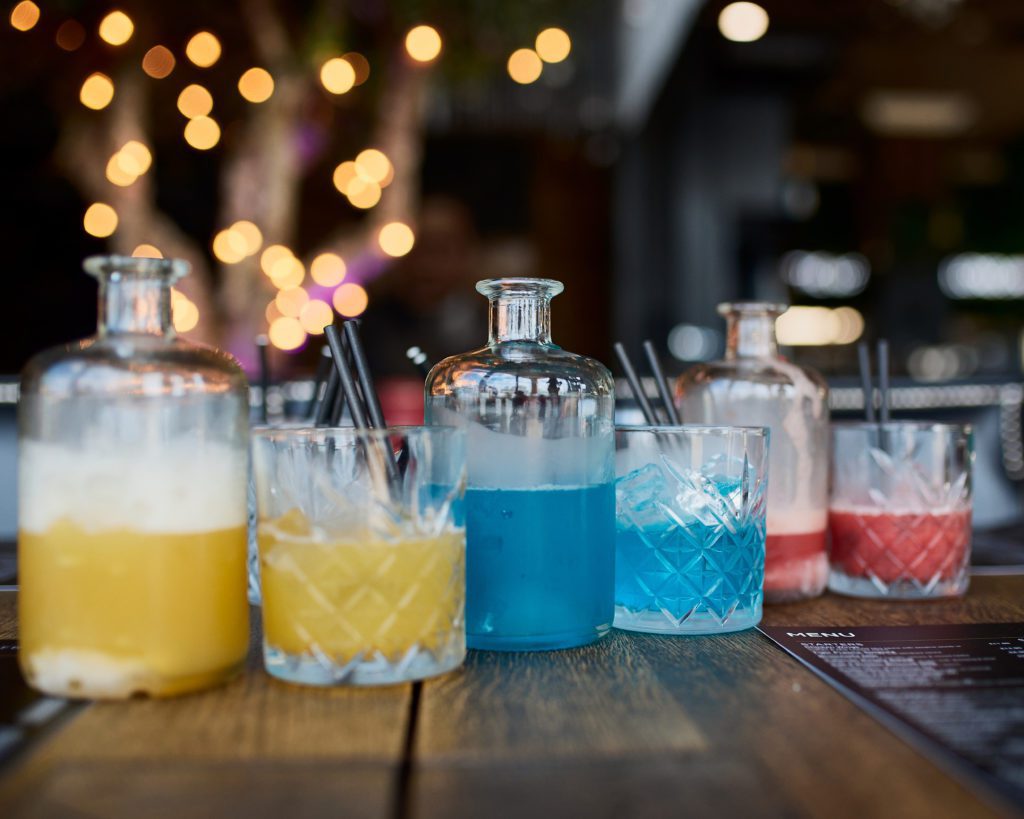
(862, 161)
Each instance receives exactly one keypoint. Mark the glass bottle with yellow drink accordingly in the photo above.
(132, 502)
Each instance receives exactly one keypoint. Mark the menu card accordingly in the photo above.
(955, 692)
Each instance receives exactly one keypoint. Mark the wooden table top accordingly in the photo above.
(636, 725)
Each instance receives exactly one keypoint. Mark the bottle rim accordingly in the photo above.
(140, 267)
(519, 286)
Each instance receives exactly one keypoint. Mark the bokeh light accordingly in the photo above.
(287, 273)
(553, 45)
(203, 49)
(184, 313)
(117, 175)
(273, 254)
(70, 35)
(363, 194)
(97, 91)
(337, 75)
(256, 85)
(359, 64)
(350, 300)
(158, 62)
(423, 43)
(272, 313)
(202, 133)
(813, 326)
(343, 176)
(743, 22)
(315, 315)
(145, 251)
(524, 66)
(195, 101)
(100, 220)
(250, 234)
(116, 28)
(291, 301)
(25, 15)
(134, 157)
(229, 246)
(286, 333)
(396, 239)
(372, 165)
(328, 270)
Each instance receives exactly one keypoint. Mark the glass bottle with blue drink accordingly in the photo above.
(540, 502)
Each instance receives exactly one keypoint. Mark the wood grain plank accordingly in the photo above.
(8, 615)
(990, 599)
(599, 700)
(253, 741)
(774, 739)
(215, 790)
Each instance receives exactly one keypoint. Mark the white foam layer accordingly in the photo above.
(182, 487)
(903, 509)
(796, 521)
(89, 674)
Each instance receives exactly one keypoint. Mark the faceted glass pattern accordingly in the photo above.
(690, 530)
(900, 515)
(362, 566)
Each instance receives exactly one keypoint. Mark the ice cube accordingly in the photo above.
(640, 496)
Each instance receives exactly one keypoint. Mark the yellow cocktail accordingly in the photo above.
(360, 608)
(132, 597)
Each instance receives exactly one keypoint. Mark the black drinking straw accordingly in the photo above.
(356, 408)
(864, 359)
(883, 379)
(634, 384)
(659, 378)
(261, 350)
(348, 382)
(323, 369)
(355, 345)
(337, 408)
(325, 402)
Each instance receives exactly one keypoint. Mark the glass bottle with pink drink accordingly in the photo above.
(755, 386)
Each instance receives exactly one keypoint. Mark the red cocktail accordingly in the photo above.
(923, 548)
(900, 514)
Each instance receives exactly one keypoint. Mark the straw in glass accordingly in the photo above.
(659, 378)
(635, 386)
(261, 350)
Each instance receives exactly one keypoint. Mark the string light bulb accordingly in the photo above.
(423, 43)
(97, 91)
(524, 66)
(350, 300)
(158, 62)
(100, 220)
(202, 133)
(328, 270)
(286, 333)
(396, 239)
(256, 85)
(25, 15)
(337, 75)
(203, 49)
(553, 45)
(116, 28)
(743, 22)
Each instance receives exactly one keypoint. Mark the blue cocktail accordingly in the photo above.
(690, 529)
(539, 566)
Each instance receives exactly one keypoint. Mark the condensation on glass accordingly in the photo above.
(755, 386)
(541, 500)
(132, 501)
